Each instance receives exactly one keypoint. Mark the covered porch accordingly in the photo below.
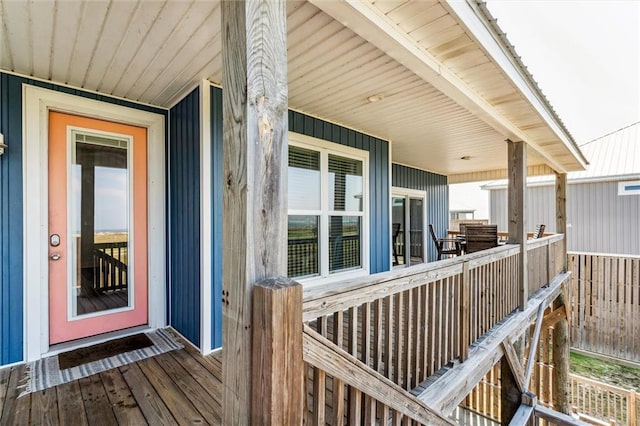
(384, 99)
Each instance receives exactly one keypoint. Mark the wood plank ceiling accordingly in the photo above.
(155, 51)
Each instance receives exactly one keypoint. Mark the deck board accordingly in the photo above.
(16, 410)
(70, 404)
(124, 405)
(177, 387)
(44, 408)
(96, 402)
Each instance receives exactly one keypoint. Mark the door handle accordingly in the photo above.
(55, 256)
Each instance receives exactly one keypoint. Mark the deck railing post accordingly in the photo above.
(561, 328)
(278, 369)
(465, 313)
(517, 157)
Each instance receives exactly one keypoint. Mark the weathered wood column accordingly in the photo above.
(254, 57)
(561, 328)
(517, 159)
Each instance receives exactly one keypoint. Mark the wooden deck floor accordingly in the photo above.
(178, 387)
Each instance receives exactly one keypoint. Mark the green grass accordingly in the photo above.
(606, 371)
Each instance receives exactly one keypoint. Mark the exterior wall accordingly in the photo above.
(437, 200)
(184, 217)
(541, 208)
(379, 191)
(600, 221)
(11, 208)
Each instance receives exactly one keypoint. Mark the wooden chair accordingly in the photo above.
(539, 232)
(445, 245)
(481, 237)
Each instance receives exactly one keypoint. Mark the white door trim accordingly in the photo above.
(37, 103)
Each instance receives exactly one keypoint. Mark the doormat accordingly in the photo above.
(103, 350)
(48, 372)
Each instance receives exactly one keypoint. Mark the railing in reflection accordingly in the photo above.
(110, 266)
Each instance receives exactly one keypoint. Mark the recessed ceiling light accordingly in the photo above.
(375, 98)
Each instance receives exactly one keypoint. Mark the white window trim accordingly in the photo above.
(623, 190)
(408, 193)
(37, 102)
(325, 147)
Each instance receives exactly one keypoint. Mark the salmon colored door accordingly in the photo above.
(97, 227)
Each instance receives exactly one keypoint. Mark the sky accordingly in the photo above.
(584, 55)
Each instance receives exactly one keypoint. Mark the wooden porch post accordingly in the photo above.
(517, 160)
(561, 328)
(517, 153)
(254, 57)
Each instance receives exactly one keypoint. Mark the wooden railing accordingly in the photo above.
(110, 266)
(545, 260)
(610, 404)
(404, 325)
(604, 295)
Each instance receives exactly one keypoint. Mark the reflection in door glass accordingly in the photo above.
(397, 231)
(99, 206)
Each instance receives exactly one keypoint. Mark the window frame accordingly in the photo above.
(326, 148)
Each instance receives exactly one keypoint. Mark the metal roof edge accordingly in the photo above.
(474, 15)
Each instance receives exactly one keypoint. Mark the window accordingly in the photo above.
(327, 231)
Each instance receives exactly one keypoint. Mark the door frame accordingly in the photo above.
(37, 102)
(407, 194)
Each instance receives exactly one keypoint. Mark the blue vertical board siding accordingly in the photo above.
(11, 207)
(379, 196)
(184, 217)
(437, 190)
(216, 226)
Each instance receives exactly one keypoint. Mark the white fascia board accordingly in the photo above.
(477, 28)
(363, 18)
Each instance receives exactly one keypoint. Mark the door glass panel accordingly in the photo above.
(99, 224)
(398, 227)
(417, 228)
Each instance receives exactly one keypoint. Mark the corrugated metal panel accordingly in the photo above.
(216, 228)
(379, 227)
(540, 208)
(11, 206)
(437, 191)
(600, 220)
(184, 217)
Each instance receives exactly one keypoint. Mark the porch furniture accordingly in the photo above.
(481, 237)
(445, 245)
(394, 242)
(539, 232)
